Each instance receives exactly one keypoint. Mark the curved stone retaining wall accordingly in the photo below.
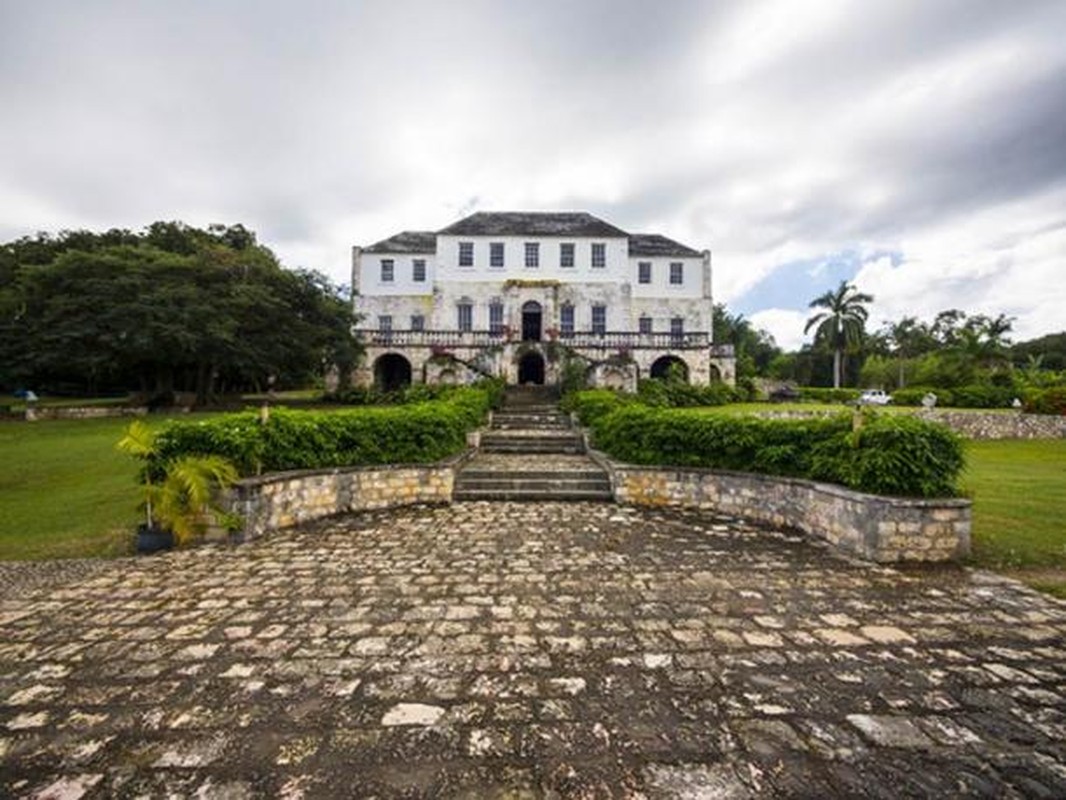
(971, 424)
(285, 499)
(884, 529)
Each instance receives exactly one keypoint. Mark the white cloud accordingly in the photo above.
(784, 324)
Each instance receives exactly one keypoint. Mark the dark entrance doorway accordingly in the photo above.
(531, 321)
(531, 369)
(391, 372)
(670, 367)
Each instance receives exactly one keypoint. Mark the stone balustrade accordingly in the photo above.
(882, 529)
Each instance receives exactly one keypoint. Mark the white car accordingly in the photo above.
(875, 397)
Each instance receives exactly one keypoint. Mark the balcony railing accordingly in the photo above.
(580, 340)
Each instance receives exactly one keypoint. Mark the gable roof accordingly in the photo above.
(406, 242)
(533, 223)
(653, 244)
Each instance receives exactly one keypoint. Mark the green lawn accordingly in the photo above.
(67, 492)
(1019, 509)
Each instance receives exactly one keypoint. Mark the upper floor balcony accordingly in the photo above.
(579, 340)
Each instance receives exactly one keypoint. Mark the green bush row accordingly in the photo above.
(1046, 401)
(415, 393)
(817, 394)
(420, 432)
(977, 395)
(896, 455)
(678, 394)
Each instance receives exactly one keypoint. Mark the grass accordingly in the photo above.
(67, 492)
(1019, 509)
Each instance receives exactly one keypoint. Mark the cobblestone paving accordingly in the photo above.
(536, 650)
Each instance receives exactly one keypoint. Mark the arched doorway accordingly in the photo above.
(531, 369)
(669, 368)
(714, 374)
(391, 372)
(532, 318)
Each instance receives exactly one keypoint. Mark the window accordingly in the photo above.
(599, 319)
(645, 324)
(566, 320)
(532, 255)
(599, 254)
(566, 254)
(496, 317)
(466, 316)
(388, 270)
(677, 326)
(644, 272)
(466, 254)
(418, 270)
(677, 273)
(495, 254)
(385, 323)
(418, 322)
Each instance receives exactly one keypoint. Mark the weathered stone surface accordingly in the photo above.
(529, 650)
(883, 529)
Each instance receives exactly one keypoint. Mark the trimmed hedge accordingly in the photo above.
(421, 432)
(889, 454)
(818, 394)
(1046, 401)
(678, 394)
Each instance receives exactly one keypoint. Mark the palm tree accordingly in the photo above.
(841, 323)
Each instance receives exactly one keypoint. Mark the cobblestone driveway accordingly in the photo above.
(529, 650)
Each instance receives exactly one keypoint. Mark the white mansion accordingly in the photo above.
(517, 294)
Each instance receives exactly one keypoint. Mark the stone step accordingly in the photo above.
(534, 475)
(549, 486)
(540, 496)
(532, 446)
(506, 425)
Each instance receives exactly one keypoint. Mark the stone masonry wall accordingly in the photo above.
(285, 499)
(971, 424)
(883, 529)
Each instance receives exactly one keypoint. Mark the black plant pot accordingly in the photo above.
(153, 539)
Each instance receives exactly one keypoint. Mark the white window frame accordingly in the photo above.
(497, 255)
(385, 323)
(677, 273)
(466, 254)
(388, 270)
(496, 317)
(677, 326)
(418, 322)
(465, 316)
(567, 252)
(645, 324)
(599, 255)
(532, 255)
(566, 320)
(644, 272)
(418, 267)
(599, 326)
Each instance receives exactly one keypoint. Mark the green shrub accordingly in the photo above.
(912, 396)
(978, 395)
(678, 394)
(818, 394)
(1046, 401)
(592, 404)
(418, 432)
(890, 454)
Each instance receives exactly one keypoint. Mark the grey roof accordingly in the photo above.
(533, 223)
(652, 244)
(407, 242)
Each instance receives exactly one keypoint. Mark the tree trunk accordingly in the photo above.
(837, 363)
(902, 379)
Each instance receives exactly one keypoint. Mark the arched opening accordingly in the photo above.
(669, 368)
(714, 374)
(532, 317)
(531, 369)
(391, 372)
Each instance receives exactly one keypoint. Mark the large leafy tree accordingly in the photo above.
(840, 323)
(171, 308)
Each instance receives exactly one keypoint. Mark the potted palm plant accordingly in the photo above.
(179, 495)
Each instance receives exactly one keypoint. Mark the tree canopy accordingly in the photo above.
(170, 308)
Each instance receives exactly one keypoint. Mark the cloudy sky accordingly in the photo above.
(915, 148)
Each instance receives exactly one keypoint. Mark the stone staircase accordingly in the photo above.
(531, 452)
